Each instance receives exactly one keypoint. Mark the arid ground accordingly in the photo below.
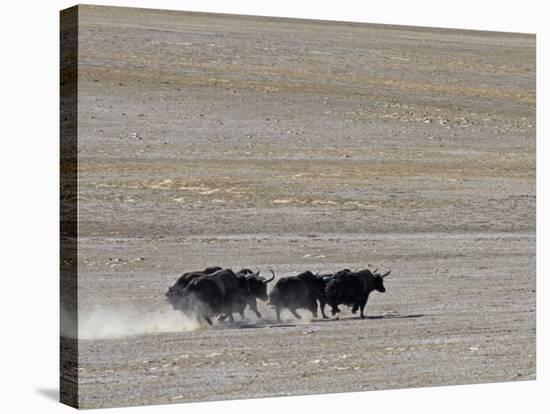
(293, 145)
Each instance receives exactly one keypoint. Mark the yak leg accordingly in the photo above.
(208, 320)
(254, 308)
(322, 306)
(226, 314)
(295, 314)
(354, 308)
(362, 305)
(228, 310)
(239, 307)
(278, 312)
(313, 308)
(314, 313)
(335, 310)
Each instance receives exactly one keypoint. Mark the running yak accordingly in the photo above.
(209, 294)
(257, 290)
(297, 292)
(353, 289)
(218, 292)
(175, 291)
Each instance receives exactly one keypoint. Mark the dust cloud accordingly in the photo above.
(106, 323)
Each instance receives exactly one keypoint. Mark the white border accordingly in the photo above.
(29, 180)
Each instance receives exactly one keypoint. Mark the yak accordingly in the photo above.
(175, 291)
(353, 289)
(257, 289)
(295, 292)
(213, 294)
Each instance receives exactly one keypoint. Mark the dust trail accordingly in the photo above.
(111, 322)
(105, 323)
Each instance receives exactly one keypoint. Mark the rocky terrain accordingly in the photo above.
(294, 145)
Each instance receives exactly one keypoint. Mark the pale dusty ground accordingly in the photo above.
(304, 145)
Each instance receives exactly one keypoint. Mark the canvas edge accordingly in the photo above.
(68, 182)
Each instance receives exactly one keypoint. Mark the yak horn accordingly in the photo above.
(254, 274)
(387, 273)
(374, 272)
(273, 277)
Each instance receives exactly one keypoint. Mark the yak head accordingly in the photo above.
(257, 285)
(175, 290)
(378, 280)
(171, 293)
(175, 297)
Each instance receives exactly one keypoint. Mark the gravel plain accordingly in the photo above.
(291, 145)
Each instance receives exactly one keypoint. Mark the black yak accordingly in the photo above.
(297, 292)
(353, 289)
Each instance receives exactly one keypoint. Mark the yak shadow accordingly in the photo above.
(266, 323)
(414, 315)
(358, 318)
(261, 323)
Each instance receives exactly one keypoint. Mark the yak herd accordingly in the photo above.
(218, 292)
